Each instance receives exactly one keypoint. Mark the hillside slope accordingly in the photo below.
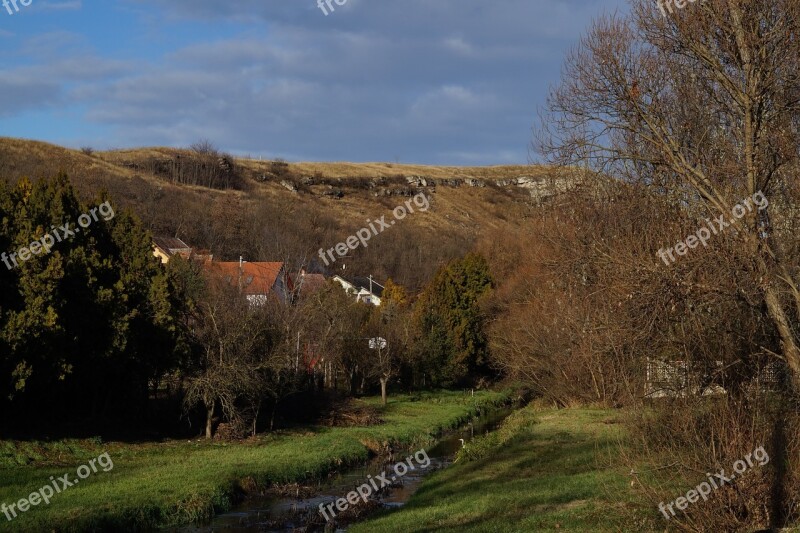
(288, 212)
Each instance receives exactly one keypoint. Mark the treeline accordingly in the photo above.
(203, 165)
(96, 334)
(588, 304)
(679, 127)
(252, 358)
(86, 327)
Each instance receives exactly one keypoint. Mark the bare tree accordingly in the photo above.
(396, 316)
(389, 334)
(204, 147)
(701, 106)
(236, 345)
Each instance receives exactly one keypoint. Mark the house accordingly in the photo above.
(256, 280)
(358, 288)
(304, 284)
(166, 247)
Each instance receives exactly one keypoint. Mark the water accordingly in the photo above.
(301, 512)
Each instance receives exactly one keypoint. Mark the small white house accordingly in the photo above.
(358, 288)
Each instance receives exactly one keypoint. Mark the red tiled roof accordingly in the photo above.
(307, 283)
(256, 278)
(313, 282)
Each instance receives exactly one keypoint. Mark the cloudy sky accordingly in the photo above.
(453, 82)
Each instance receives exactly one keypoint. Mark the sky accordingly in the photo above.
(441, 82)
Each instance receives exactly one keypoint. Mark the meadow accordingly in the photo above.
(177, 482)
(543, 470)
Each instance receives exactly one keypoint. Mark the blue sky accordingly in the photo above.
(453, 82)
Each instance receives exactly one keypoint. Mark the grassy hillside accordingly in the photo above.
(288, 212)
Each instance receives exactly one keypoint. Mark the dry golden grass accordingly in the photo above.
(36, 159)
(386, 170)
(345, 170)
(51, 158)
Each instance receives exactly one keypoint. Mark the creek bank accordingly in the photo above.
(156, 485)
(283, 510)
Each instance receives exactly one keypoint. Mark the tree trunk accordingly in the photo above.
(778, 503)
(384, 381)
(257, 410)
(209, 420)
(353, 381)
(788, 344)
(780, 480)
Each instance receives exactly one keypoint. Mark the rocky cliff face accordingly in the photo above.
(539, 187)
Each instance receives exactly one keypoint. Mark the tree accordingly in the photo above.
(84, 317)
(389, 326)
(235, 341)
(204, 147)
(452, 343)
(394, 296)
(701, 106)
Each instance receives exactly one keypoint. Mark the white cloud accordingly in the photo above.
(451, 81)
(459, 46)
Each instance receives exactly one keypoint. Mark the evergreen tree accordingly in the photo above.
(452, 344)
(87, 322)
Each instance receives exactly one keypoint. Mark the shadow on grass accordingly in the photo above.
(548, 478)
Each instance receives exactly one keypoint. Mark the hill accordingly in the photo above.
(272, 210)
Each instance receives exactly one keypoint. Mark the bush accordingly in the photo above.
(678, 443)
(280, 168)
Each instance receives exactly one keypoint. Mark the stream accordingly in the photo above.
(272, 513)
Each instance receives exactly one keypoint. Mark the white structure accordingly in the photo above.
(377, 343)
(371, 295)
(675, 378)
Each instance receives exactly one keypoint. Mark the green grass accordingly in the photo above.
(177, 482)
(544, 470)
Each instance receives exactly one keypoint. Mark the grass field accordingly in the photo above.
(178, 481)
(544, 470)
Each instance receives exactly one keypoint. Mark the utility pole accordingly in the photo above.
(297, 355)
